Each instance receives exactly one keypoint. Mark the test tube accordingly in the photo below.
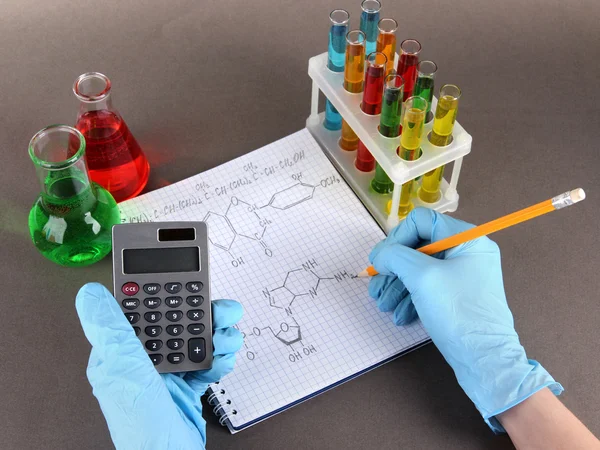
(386, 41)
(371, 104)
(368, 22)
(335, 60)
(407, 65)
(376, 64)
(336, 53)
(389, 126)
(354, 70)
(441, 135)
(349, 139)
(413, 122)
(426, 71)
(354, 80)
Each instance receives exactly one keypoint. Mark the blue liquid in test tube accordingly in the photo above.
(336, 56)
(368, 23)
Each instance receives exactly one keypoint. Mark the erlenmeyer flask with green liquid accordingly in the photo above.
(71, 221)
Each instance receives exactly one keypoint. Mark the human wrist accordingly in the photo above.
(514, 386)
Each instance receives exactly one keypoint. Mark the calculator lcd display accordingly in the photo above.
(161, 260)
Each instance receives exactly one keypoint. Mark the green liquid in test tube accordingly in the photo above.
(389, 126)
(424, 86)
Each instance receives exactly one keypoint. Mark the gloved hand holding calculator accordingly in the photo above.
(145, 409)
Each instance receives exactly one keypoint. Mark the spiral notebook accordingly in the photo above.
(286, 235)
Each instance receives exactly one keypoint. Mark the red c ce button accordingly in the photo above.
(130, 288)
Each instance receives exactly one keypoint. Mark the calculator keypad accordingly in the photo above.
(175, 350)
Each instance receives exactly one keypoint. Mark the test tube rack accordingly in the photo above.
(382, 148)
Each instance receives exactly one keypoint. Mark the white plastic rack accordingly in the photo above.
(382, 148)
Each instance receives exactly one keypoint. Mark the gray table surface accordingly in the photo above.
(200, 83)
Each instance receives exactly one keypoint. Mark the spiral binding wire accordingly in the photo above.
(219, 408)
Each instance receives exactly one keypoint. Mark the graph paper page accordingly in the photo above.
(286, 235)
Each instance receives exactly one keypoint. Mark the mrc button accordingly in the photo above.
(130, 288)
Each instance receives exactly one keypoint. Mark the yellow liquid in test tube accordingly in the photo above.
(410, 146)
(430, 191)
(349, 139)
(441, 136)
(445, 116)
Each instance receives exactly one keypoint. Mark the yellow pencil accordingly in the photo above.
(558, 202)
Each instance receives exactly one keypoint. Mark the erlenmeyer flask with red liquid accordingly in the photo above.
(114, 158)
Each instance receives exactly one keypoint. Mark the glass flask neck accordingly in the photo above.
(57, 153)
(93, 91)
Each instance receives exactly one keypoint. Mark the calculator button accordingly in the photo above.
(132, 317)
(196, 328)
(156, 359)
(131, 303)
(174, 316)
(154, 345)
(173, 302)
(137, 331)
(173, 288)
(196, 350)
(175, 344)
(194, 300)
(195, 314)
(152, 317)
(130, 288)
(152, 302)
(153, 331)
(152, 288)
(175, 358)
(175, 330)
(194, 286)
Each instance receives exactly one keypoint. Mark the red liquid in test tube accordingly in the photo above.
(364, 160)
(371, 104)
(407, 65)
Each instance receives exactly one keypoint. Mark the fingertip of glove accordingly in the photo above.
(226, 341)
(90, 296)
(226, 313)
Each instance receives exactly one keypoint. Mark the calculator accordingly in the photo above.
(161, 281)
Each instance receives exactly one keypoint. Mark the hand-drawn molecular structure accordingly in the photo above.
(287, 333)
(300, 282)
(242, 219)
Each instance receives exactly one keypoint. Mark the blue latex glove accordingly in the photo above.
(145, 410)
(459, 297)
